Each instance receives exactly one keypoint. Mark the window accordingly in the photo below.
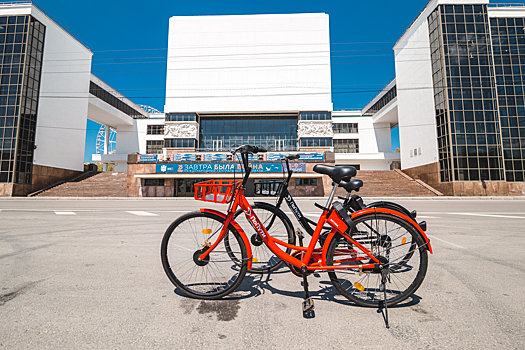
(181, 117)
(179, 143)
(114, 101)
(154, 182)
(315, 116)
(383, 101)
(21, 42)
(154, 147)
(316, 142)
(305, 182)
(346, 146)
(155, 130)
(342, 128)
(277, 132)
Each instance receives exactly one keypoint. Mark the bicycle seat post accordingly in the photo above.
(331, 198)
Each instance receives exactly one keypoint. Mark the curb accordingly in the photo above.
(264, 199)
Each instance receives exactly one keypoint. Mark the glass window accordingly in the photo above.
(305, 182)
(315, 116)
(346, 146)
(154, 147)
(181, 117)
(340, 128)
(179, 143)
(155, 130)
(316, 142)
(154, 182)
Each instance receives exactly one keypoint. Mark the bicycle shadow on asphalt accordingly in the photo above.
(255, 285)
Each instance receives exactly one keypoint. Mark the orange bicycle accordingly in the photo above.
(374, 257)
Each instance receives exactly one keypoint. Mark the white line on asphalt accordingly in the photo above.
(64, 212)
(142, 213)
(490, 215)
(442, 240)
(427, 217)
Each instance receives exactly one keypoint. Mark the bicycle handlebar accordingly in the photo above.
(292, 157)
(251, 149)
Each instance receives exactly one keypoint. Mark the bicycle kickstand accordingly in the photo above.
(308, 303)
(384, 277)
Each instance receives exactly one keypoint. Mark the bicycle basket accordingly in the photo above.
(270, 188)
(217, 191)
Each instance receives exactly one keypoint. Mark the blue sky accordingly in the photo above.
(129, 41)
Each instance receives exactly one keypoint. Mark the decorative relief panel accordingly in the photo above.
(181, 130)
(314, 129)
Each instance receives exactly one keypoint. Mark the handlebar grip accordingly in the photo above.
(293, 156)
(251, 149)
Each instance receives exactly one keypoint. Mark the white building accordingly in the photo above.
(362, 141)
(47, 93)
(458, 97)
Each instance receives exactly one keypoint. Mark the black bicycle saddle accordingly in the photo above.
(336, 173)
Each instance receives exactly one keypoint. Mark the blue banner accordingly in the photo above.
(226, 168)
(311, 156)
(181, 157)
(218, 157)
(142, 158)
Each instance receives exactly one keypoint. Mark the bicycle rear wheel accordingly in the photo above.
(265, 260)
(394, 242)
(213, 277)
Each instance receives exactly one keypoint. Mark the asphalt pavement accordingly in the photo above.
(87, 274)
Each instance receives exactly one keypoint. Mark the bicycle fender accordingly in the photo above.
(401, 215)
(238, 228)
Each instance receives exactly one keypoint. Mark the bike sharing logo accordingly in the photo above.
(255, 223)
(294, 207)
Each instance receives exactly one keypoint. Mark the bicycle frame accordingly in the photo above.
(272, 243)
(306, 262)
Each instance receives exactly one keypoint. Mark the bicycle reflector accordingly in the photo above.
(338, 217)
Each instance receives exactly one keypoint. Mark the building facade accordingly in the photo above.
(458, 97)
(47, 93)
(256, 79)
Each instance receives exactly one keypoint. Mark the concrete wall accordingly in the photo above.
(375, 144)
(61, 122)
(415, 95)
(248, 63)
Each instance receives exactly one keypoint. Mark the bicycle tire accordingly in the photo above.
(213, 277)
(404, 278)
(281, 228)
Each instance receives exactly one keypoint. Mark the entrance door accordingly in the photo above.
(217, 145)
(279, 145)
(185, 187)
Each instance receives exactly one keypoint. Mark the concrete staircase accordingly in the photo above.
(390, 183)
(106, 184)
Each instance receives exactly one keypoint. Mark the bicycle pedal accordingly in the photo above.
(308, 305)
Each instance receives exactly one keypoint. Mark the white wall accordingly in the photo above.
(61, 122)
(248, 63)
(375, 144)
(415, 95)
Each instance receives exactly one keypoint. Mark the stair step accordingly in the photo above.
(107, 184)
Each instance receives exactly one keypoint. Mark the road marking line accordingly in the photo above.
(442, 240)
(142, 213)
(57, 212)
(490, 215)
(427, 217)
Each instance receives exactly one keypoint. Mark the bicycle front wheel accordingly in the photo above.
(213, 277)
(394, 242)
(265, 260)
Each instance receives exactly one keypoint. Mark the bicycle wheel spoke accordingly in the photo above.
(213, 276)
(386, 236)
